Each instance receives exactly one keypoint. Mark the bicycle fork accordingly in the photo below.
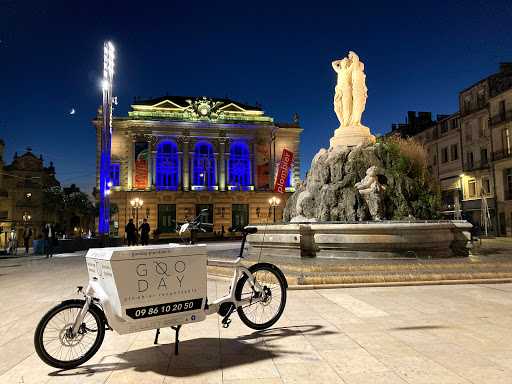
(79, 318)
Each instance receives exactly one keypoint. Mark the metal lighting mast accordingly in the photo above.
(106, 135)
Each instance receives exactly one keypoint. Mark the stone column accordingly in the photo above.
(255, 166)
(222, 165)
(153, 182)
(185, 180)
(191, 169)
(150, 167)
(126, 164)
(216, 169)
(180, 175)
(227, 171)
(131, 164)
(251, 169)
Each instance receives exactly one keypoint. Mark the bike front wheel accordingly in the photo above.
(53, 340)
(262, 312)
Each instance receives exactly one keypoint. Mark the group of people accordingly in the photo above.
(49, 236)
(132, 232)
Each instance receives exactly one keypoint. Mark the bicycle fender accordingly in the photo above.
(271, 266)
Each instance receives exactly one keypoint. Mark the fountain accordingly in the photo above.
(363, 198)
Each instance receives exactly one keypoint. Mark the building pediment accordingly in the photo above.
(197, 109)
(167, 104)
(232, 108)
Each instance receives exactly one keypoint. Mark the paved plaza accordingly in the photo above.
(409, 334)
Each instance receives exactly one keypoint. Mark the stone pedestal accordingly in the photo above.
(352, 136)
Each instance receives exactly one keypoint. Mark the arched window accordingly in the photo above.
(167, 165)
(239, 165)
(204, 165)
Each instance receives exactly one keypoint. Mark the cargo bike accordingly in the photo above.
(133, 289)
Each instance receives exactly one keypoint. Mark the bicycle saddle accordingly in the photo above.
(249, 230)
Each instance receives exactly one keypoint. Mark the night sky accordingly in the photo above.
(417, 56)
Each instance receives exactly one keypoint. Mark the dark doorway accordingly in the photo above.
(167, 218)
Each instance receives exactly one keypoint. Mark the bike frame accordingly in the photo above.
(230, 297)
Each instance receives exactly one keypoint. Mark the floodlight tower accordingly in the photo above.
(106, 135)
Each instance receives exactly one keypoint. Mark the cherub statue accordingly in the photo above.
(373, 193)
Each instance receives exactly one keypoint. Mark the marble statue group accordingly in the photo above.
(350, 91)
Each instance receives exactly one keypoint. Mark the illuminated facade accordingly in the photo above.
(21, 191)
(182, 154)
(470, 151)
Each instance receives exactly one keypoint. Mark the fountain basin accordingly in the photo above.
(367, 240)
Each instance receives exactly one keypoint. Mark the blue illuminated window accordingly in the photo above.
(114, 175)
(288, 182)
(239, 165)
(204, 165)
(167, 165)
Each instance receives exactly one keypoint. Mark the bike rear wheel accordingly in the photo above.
(57, 347)
(262, 314)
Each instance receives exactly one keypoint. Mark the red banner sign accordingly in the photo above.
(282, 174)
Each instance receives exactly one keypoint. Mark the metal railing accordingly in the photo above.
(26, 203)
(500, 118)
(502, 154)
(468, 110)
(476, 165)
(28, 184)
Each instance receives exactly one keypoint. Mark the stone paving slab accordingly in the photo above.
(414, 334)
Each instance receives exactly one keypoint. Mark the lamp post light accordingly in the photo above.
(137, 204)
(459, 214)
(274, 202)
(106, 136)
(26, 218)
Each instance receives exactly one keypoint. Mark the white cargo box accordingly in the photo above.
(153, 286)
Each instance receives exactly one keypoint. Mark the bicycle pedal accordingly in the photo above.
(225, 324)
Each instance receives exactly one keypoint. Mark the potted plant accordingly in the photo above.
(156, 235)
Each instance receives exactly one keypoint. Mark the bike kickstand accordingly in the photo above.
(177, 329)
(226, 320)
(156, 336)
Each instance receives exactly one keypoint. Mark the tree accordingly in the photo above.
(79, 204)
(53, 202)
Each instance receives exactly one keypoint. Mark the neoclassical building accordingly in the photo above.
(183, 154)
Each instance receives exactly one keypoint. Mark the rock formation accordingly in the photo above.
(338, 187)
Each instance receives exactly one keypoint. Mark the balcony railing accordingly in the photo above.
(468, 110)
(476, 165)
(25, 203)
(28, 185)
(502, 154)
(501, 118)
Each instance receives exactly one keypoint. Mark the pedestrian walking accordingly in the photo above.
(144, 232)
(50, 237)
(27, 234)
(130, 232)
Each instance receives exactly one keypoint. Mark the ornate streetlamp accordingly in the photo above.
(274, 202)
(26, 218)
(137, 204)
